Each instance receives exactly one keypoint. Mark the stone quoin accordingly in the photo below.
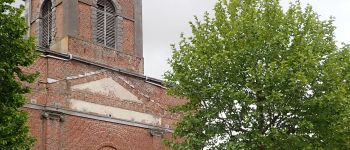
(91, 93)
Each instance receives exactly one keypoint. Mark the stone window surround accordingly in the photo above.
(46, 14)
(53, 21)
(118, 27)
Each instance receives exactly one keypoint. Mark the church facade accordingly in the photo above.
(91, 93)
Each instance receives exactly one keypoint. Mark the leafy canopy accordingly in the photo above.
(258, 77)
(16, 51)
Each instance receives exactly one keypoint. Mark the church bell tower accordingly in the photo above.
(107, 32)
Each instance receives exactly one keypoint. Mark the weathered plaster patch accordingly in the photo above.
(50, 80)
(113, 112)
(108, 87)
(85, 75)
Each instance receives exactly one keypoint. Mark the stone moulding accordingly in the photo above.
(65, 112)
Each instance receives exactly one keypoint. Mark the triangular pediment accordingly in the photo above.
(108, 87)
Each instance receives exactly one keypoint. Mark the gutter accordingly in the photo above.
(56, 55)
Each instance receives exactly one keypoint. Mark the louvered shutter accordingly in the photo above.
(46, 32)
(100, 28)
(105, 23)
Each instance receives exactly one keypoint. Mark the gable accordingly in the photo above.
(107, 87)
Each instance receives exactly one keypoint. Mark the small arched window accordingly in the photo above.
(106, 23)
(46, 24)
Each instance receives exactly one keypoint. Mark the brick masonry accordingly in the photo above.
(77, 62)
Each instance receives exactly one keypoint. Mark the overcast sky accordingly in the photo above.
(164, 20)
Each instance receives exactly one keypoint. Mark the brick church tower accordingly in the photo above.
(91, 93)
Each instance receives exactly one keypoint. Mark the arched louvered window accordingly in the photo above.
(46, 24)
(105, 23)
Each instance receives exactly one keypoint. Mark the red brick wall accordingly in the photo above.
(85, 22)
(100, 54)
(36, 128)
(77, 133)
(65, 134)
(127, 8)
(128, 42)
(155, 100)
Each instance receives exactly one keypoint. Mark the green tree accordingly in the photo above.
(258, 77)
(16, 52)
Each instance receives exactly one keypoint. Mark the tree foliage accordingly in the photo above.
(258, 77)
(16, 51)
